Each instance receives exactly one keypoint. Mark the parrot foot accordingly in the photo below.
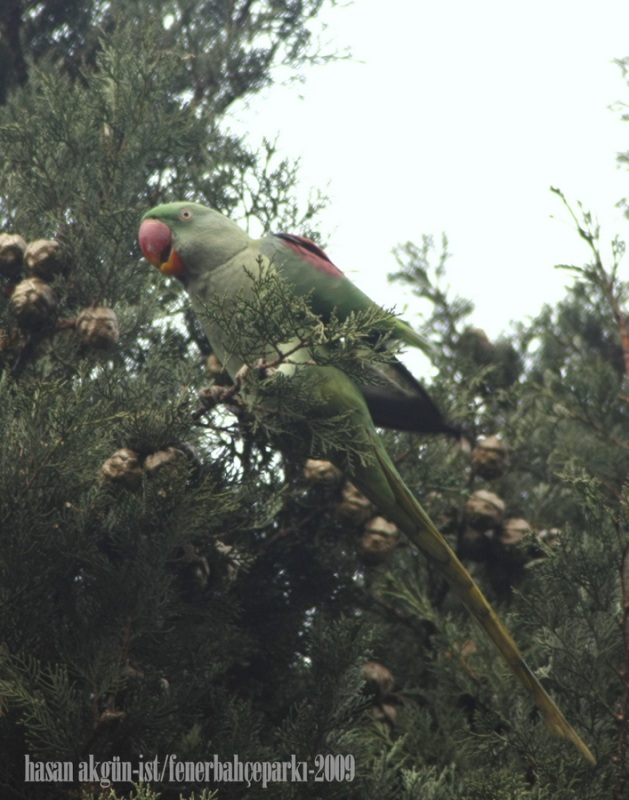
(240, 376)
(263, 368)
(218, 395)
(214, 396)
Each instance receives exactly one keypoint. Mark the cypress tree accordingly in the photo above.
(177, 579)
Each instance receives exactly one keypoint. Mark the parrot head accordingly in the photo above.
(186, 239)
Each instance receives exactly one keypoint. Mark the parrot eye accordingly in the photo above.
(185, 214)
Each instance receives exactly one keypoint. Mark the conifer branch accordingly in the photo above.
(621, 715)
(590, 233)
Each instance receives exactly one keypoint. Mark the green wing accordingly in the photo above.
(394, 397)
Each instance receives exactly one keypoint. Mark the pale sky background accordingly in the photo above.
(457, 117)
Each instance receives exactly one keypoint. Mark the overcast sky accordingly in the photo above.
(457, 117)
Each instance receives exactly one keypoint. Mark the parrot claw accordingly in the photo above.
(240, 376)
(215, 396)
(263, 368)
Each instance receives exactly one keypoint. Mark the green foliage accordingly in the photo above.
(564, 421)
(232, 47)
(200, 594)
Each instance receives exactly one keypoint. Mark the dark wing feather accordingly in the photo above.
(397, 400)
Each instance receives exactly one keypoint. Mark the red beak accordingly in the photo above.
(156, 241)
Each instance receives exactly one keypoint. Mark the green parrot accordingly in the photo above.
(215, 260)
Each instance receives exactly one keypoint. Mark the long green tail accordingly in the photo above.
(396, 501)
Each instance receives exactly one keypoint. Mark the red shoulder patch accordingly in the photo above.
(311, 253)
